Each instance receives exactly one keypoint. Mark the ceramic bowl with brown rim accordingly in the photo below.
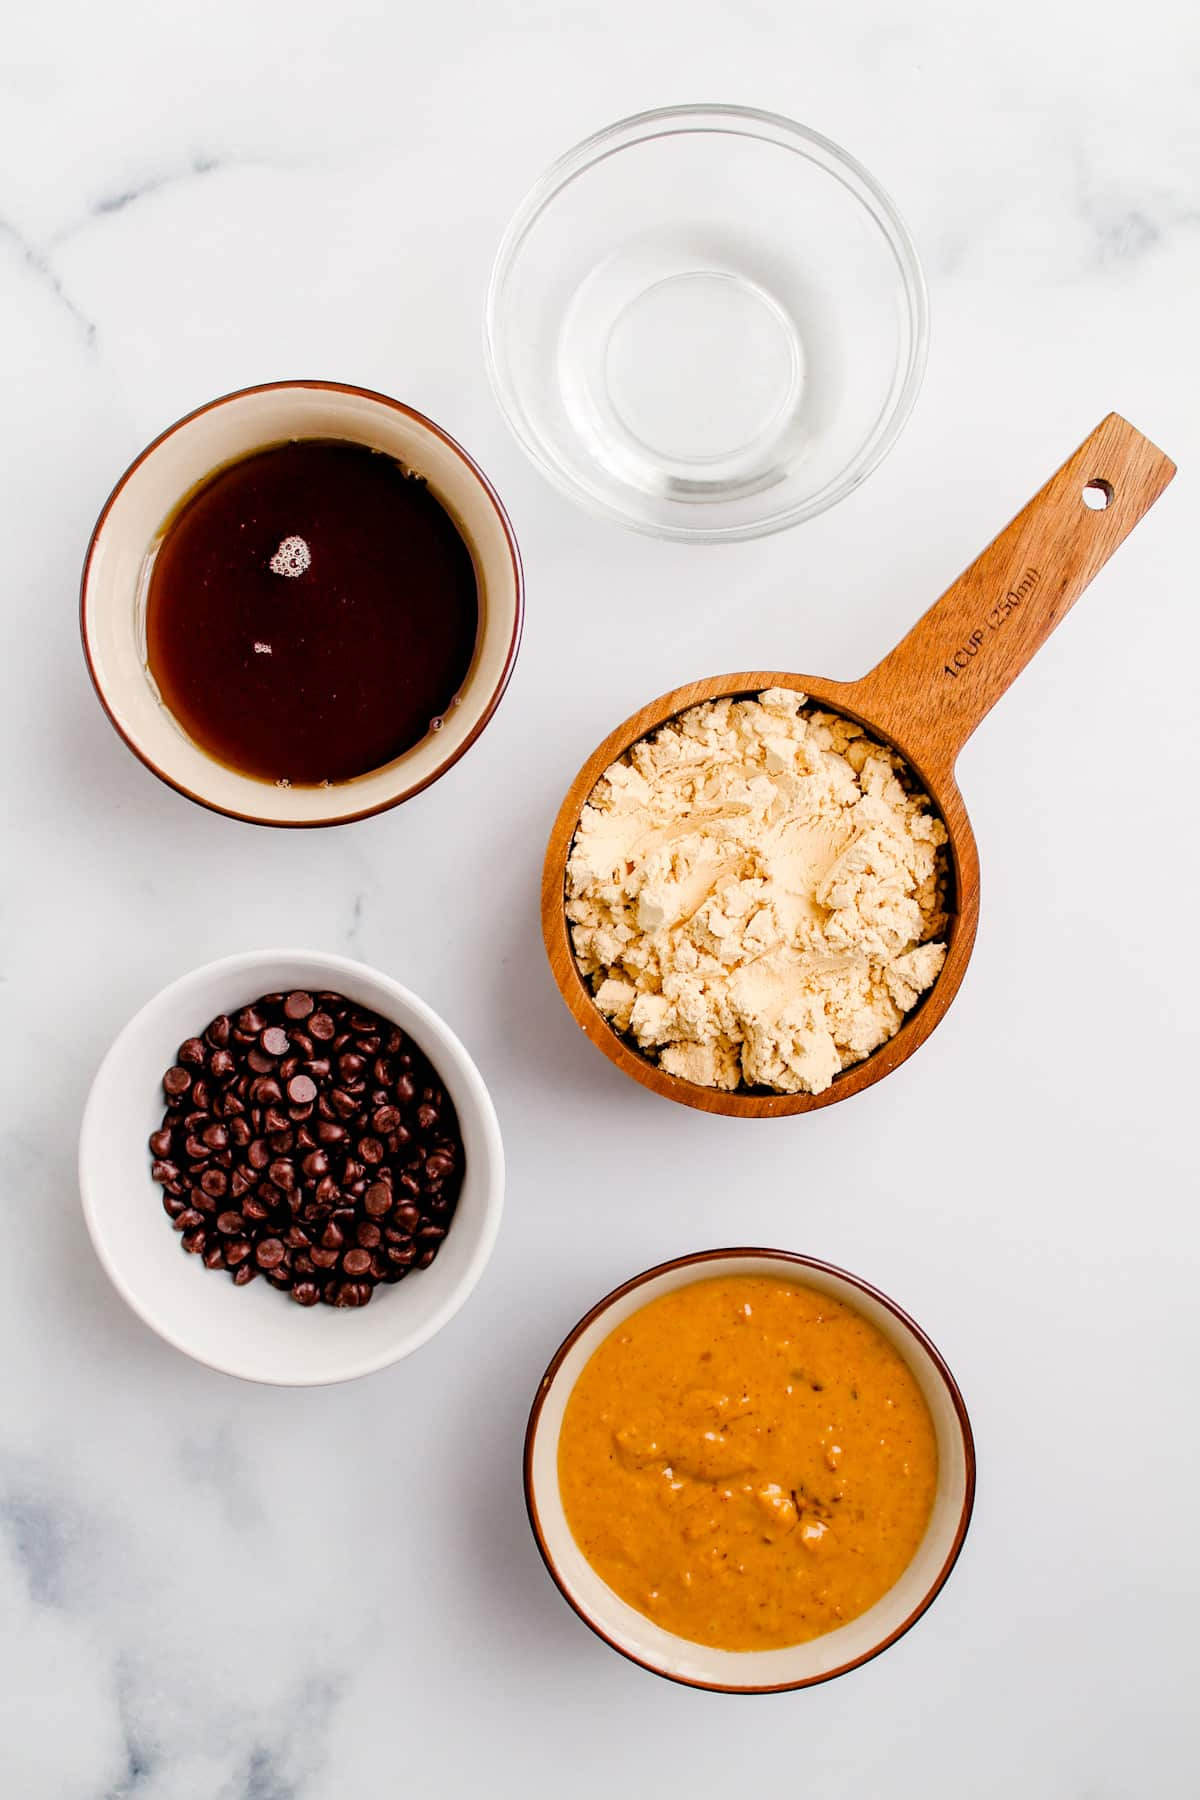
(130, 528)
(751, 1671)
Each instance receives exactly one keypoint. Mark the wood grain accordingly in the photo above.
(940, 681)
(925, 698)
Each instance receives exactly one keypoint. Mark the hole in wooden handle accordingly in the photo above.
(1098, 494)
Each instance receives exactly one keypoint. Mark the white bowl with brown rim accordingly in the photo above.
(119, 558)
(751, 1671)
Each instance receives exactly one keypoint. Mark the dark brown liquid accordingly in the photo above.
(330, 673)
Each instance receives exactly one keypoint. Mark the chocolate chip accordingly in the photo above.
(255, 1109)
(378, 1199)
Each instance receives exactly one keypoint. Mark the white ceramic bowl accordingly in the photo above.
(751, 1671)
(257, 1332)
(128, 531)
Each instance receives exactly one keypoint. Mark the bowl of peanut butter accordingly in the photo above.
(749, 1471)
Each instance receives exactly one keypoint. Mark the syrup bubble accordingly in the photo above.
(291, 559)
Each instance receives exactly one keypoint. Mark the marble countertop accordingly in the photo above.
(211, 1591)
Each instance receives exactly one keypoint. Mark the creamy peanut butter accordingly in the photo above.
(748, 1462)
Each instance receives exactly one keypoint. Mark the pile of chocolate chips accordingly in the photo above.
(310, 1141)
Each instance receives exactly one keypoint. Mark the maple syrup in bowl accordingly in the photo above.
(302, 604)
(311, 612)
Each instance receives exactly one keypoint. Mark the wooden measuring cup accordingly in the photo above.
(925, 699)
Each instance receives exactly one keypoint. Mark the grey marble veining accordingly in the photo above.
(210, 1591)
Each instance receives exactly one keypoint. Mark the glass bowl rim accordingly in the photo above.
(739, 121)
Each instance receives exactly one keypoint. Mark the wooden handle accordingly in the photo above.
(958, 659)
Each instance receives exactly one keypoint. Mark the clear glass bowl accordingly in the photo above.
(706, 322)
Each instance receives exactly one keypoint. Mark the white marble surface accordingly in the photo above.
(214, 1592)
